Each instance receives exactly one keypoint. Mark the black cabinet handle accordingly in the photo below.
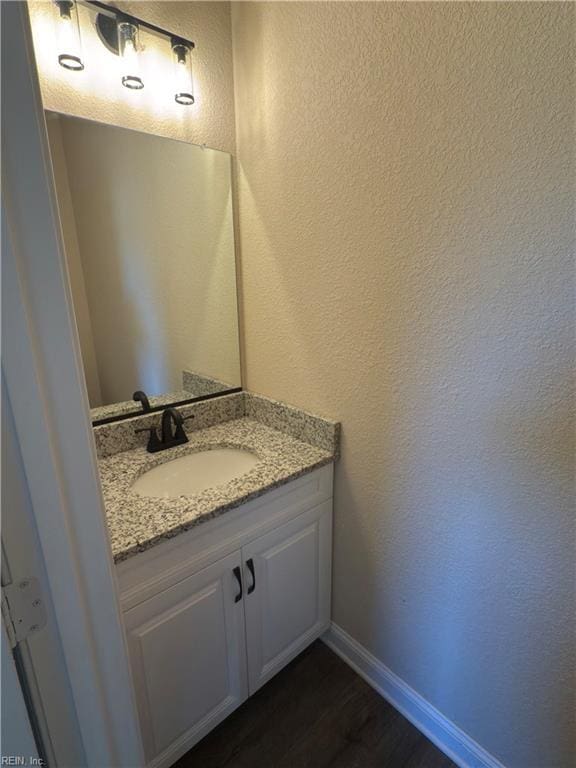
(238, 575)
(252, 587)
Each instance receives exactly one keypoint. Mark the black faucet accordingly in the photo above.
(141, 397)
(168, 438)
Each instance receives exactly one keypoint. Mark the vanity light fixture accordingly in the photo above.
(128, 46)
(182, 53)
(69, 46)
(120, 34)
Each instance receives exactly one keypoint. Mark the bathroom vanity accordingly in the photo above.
(222, 534)
(222, 588)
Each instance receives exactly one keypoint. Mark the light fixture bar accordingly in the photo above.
(119, 32)
(107, 9)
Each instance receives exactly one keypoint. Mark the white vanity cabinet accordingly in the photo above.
(214, 613)
(187, 649)
(287, 604)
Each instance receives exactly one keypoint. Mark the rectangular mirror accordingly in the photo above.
(149, 238)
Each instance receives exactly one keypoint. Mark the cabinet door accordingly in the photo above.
(287, 600)
(188, 655)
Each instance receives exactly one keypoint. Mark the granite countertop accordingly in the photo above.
(131, 406)
(137, 523)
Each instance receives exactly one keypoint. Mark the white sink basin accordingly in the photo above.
(195, 472)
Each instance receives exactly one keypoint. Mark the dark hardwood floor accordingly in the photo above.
(316, 713)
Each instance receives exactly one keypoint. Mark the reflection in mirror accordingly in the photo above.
(149, 240)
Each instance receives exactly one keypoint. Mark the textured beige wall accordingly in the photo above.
(97, 93)
(406, 187)
(141, 203)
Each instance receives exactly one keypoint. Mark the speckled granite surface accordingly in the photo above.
(318, 431)
(302, 425)
(193, 385)
(121, 436)
(129, 406)
(204, 385)
(137, 523)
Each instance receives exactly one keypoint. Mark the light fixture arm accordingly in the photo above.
(108, 10)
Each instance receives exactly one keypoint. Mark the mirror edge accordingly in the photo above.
(160, 408)
(50, 114)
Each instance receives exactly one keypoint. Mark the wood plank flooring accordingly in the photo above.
(316, 713)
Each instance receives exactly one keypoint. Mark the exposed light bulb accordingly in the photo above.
(182, 53)
(69, 46)
(128, 45)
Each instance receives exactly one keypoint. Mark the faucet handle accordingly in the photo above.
(181, 425)
(154, 443)
(180, 434)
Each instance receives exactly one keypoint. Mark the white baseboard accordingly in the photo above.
(459, 747)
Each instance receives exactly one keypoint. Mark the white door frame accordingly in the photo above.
(39, 658)
(43, 372)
